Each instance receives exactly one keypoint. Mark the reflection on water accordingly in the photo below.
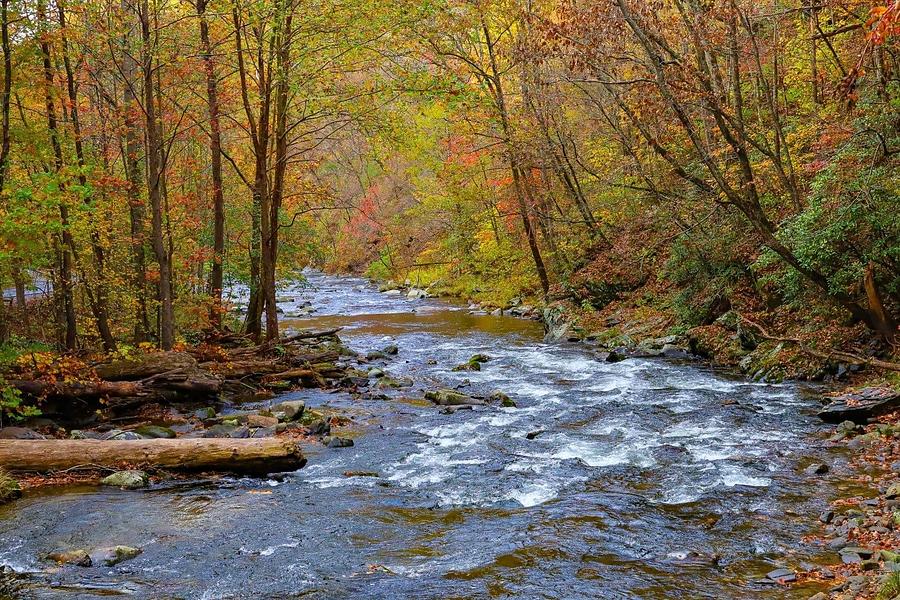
(641, 479)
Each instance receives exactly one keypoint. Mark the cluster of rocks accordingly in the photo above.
(98, 557)
(516, 307)
(864, 532)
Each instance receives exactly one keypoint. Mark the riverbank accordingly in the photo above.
(860, 534)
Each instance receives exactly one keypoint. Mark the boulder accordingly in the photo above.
(320, 428)
(502, 399)
(556, 324)
(861, 405)
(128, 480)
(261, 421)
(19, 433)
(816, 469)
(290, 410)
(338, 442)
(447, 397)
(391, 349)
(416, 294)
(79, 558)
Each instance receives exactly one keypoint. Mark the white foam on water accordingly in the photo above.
(534, 494)
(732, 475)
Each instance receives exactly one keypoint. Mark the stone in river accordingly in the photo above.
(114, 555)
(263, 432)
(128, 480)
(261, 421)
(533, 434)
(782, 575)
(827, 516)
(118, 434)
(339, 442)
(79, 558)
(224, 430)
(19, 433)
(816, 469)
(320, 428)
(290, 410)
(860, 405)
(861, 552)
(391, 349)
(447, 397)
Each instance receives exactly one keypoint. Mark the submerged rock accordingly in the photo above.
(782, 575)
(501, 398)
(338, 442)
(447, 397)
(128, 480)
(113, 555)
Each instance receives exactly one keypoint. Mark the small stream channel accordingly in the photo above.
(649, 479)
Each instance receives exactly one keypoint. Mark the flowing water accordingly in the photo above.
(649, 479)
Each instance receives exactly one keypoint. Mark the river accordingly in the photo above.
(649, 479)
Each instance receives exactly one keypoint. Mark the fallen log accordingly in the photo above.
(144, 366)
(78, 389)
(247, 456)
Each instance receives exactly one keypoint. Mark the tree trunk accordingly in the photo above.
(270, 256)
(155, 168)
(136, 209)
(68, 244)
(500, 102)
(6, 94)
(248, 456)
(98, 294)
(215, 148)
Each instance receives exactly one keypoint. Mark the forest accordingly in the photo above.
(653, 179)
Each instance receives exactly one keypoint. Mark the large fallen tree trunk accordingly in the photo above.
(248, 456)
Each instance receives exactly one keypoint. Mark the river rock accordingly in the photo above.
(391, 349)
(861, 405)
(261, 421)
(447, 397)
(816, 469)
(263, 432)
(376, 355)
(320, 427)
(226, 430)
(113, 555)
(19, 433)
(893, 491)
(155, 432)
(79, 558)
(338, 442)
(782, 575)
(416, 294)
(118, 434)
(290, 410)
(533, 434)
(128, 480)
(557, 324)
(78, 434)
(468, 366)
(501, 398)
